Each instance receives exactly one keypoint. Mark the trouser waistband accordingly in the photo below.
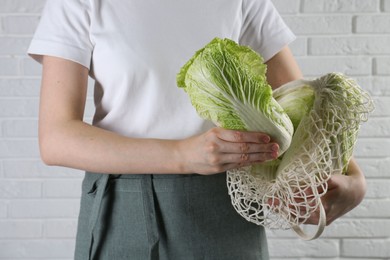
(101, 182)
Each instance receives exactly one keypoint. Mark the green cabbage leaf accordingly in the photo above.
(227, 84)
(315, 122)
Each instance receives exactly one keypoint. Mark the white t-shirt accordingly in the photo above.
(135, 48)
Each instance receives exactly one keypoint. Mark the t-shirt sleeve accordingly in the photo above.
(263, 28)
(64, 32)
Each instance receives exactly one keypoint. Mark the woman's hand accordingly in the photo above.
(344, 193)
(219, 150)
(65, 139)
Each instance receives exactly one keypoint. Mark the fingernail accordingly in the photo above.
(273, 155)
(275, 147)
(266, 139)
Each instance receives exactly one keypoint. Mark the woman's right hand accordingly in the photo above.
(219, 150)
(65, 140)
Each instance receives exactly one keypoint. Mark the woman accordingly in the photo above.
(155, 187)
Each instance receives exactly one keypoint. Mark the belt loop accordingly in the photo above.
(150, 214)
(101, 187)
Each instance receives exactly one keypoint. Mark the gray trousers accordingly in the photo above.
(163, 217)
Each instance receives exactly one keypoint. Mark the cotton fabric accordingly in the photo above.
(191, 219)
(133, 50)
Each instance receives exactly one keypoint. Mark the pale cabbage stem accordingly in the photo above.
(262, 122)
(326, 113)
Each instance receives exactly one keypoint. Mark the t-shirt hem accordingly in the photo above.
(280, 40)
(39, 48)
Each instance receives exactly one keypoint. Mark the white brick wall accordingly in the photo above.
(39, 204)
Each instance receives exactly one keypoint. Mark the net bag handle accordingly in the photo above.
(320, 227)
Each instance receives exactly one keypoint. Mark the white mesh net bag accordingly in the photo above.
(315, 123)
(322, 145)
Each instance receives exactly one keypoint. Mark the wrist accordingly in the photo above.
(179, 156)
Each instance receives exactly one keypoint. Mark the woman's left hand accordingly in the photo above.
(344, 193)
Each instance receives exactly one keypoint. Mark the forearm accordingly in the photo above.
(67, 141)
(344, 193)
(76, 144)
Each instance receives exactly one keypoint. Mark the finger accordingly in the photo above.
(239, 148)
(243, 136)
(247, 158)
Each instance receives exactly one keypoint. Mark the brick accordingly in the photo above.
(21, 6)
(31, 68)
(19, 107)
(20, 229)
(20, 189)
(1, 166)
(19, 87)
(367, 248)
(299, 248)
(318, 66)
(20, 128)
(19, 149)
(344, 227)
(374, 167)
(367, 84)
(324, 258)
(62, 188)
(371, 208)
(382, 106)
(14, 45)
(9, 66)
(33, 249)
(382, 66)
(369, 147)
(340, 6)
(91, 85)
(291, 8)
(358, 228)
(280, 234)
(378, 85)
(89, 110)
(60, 228)
(289, 233)
(44, 208)
(378, 189)
(372, 24)
(3, 209)
(326, 24)
(386, 5)
(356, 45)
(88, 120)
(20, 168)
(299, 46)
(24, 25)
(309, 258)
(376, 127)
